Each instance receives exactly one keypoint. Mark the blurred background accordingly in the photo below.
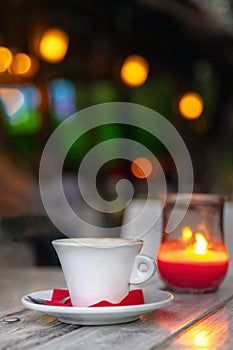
(57, 58)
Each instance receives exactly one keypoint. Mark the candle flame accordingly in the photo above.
(186, 234)
(200, 247)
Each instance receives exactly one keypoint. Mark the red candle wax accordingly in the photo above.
(182, 269)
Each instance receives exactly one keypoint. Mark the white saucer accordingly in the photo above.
(154, 299)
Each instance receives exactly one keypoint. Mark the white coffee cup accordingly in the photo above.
(97, 269)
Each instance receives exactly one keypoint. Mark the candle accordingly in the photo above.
(197, 265)
(192, 256)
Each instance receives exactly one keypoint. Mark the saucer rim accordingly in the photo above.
(162, 298)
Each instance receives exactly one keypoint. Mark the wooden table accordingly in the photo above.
(202, 321)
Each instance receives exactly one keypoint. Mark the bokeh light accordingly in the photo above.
(5, 58)
(134, 70)
(12, 98)
(20, 65)
(53, 45)
(191, 105)
(21, 103)
(34, 67)
(62, 98)
(141, 168)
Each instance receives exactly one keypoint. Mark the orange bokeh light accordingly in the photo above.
(21, 64)
(134, 70)
(141, 168)
(34, 67)
(5, 58)
(191, 105)
(53, 45)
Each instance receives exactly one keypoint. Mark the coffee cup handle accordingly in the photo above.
(140, 274)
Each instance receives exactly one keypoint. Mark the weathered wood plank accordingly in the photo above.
(151, 331)
(30, 328)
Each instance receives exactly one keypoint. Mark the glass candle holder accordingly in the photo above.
(193, 257)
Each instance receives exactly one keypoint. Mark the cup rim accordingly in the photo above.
(97, 242)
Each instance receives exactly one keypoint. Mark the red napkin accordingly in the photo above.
(135, 297)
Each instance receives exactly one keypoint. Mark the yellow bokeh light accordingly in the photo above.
(21, 64)
(141, 168)
(134, 70)
(54, 45)
(191, 105)
(5, 58)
